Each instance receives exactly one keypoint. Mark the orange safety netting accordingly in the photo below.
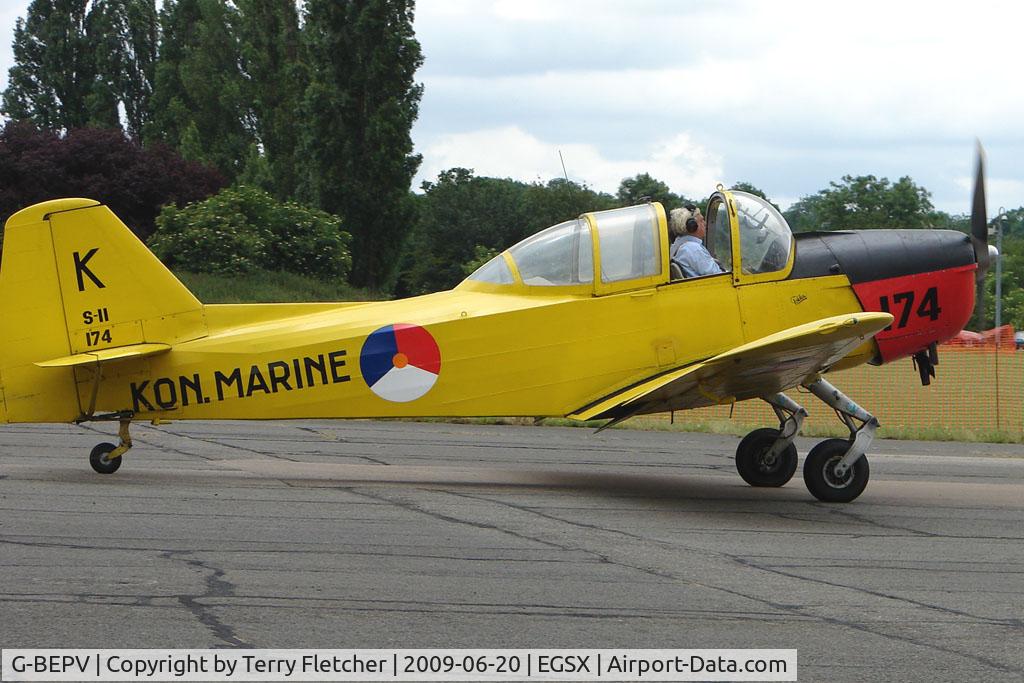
(979, 390)
(1002, 337)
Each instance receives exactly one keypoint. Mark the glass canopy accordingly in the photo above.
(629, 245)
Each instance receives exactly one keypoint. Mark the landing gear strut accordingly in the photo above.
(836, 470)
(105, 458)
(767, 457)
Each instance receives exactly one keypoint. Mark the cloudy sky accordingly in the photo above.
(787, 95)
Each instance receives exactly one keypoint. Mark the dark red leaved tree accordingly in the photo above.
(101, 164)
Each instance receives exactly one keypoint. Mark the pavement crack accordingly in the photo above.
(223, 444)
(493, 527)
(832, 510)
(216, 587)
(412, 507)
(327, 436)
(878, 594)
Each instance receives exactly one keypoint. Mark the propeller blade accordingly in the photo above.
(979, 219)
(979, 236)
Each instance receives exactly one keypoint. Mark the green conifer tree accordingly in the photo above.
(53, 80)
(125, 43)
(78, 62)
(272, 53)
(359, 110)
(199, 95)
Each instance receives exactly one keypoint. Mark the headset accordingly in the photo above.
(691, 223)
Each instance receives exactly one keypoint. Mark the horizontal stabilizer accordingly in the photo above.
(759, 368)
(106, 355)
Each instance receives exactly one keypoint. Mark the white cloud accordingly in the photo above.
(789, 95)
(8, 17)
(526, 10)
(510, 152)
(1005, 193)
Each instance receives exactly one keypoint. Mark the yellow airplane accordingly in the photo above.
(587, 319)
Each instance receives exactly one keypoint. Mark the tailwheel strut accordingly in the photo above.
(105, 458)
(836, 470)
(767, 457)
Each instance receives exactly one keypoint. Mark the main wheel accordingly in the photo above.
(100, 460)
(753, 464)
(820, 473)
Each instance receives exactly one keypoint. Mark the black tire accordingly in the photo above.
(819, 473)
(99, 460)
(751, 462)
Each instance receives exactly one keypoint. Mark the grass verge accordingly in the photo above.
(269, 287)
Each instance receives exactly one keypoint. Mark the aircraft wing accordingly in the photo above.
(759, 368)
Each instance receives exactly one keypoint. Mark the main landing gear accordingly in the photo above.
(767, 457)
(835, 470)
(106, 457)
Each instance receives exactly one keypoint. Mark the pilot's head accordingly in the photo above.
(686, 221)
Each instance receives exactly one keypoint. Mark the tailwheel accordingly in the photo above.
(759, 465)
(827, 479)
(101, 461)
(105, 458)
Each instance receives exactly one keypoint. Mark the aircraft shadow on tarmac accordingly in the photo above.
(258, 473)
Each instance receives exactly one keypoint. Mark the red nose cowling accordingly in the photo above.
(928, 308)
(924, 278)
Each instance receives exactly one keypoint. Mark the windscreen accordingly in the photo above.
(765, 237)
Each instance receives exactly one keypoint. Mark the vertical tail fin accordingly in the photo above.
(74, 279)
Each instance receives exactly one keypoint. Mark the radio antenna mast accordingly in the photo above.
(568, 184)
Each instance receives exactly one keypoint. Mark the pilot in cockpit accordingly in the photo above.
(687, 227)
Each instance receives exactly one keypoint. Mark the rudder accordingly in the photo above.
(75, 279)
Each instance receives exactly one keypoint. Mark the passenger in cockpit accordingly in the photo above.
(688, 228)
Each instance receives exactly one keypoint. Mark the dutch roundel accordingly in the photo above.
(400, 362)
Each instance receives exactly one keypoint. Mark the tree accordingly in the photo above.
(481, 255)
(642, 187)
(273, 62)
(199, 98)
(802, 216)
(102, 164)
(1013, 274)
(463, 217)
(544, 205)
(456, 215)
(863, 202)
(359, 110)
(54, 81)
(1013, 225)
(243, 229)
(124, 42)
(944, 221)
(78, 62)
(1012, 285)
